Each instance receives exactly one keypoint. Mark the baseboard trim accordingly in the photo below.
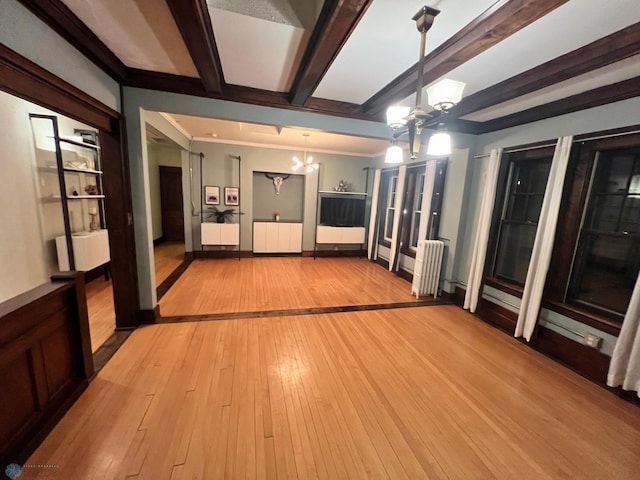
(335, 253)
(158, 241)
(148, 317)
(204, 254)
(403, 274)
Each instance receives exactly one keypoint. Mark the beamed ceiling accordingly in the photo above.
(522, 60)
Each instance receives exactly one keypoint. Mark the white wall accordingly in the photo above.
(27, 249)
(24, 33)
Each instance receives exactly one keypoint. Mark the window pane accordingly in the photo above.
(514, 251)
(604, 212)
(530, 177)
(517, 208)
(388, 231)
(612, 172)
(607, 270)
(631, 215)
(415, 229)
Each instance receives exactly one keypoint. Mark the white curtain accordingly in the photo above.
(394, 256)
(482, 232)
(624, 369)
(427, 193)
(543, 243)
(372, 246)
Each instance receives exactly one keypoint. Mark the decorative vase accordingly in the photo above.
(219, 219)
(93, 225)
(277, 217)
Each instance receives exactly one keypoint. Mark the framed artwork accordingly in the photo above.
(212, 195)
(231, 196)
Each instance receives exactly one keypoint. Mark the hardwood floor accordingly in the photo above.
(266, 283)
(102, 315)
(167, 257)
(428, 392)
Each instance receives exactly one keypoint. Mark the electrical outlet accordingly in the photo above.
(591, 340)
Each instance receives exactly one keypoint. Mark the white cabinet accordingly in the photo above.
(340, 235)
(277, 237)
(90, 250)
(220, 233)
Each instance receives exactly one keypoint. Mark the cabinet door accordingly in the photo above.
(352, 235)
(272, 237)
(284, 230)
(295, 238)
(210, 233)
(229, 233)
(259, 237)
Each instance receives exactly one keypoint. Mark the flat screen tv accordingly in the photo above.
(342, 211)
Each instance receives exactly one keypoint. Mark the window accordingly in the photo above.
(390, 210)
(607, 257)
(526, 182)
(416, 208)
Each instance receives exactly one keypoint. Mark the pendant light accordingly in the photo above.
(307, 163)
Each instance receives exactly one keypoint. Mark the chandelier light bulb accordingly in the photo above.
(440, 142)
(394, 154)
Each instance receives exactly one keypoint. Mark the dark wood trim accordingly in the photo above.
(166, 82)
(66, 24)
(405, 275)
(333, 27)
(188, 256)
(458, 296)
(194, 23)
(382, 262)
(582, 316)
(592, 98)
(584, 360)
(204, 254)
(605, 51)
(147, 317)
(172, 278)
(355, 252)
(158, 241)
(498, 22)
(497, 315)
(299, 311)
(503, 286)
(25, 79)
(119, 215)
(109, 348)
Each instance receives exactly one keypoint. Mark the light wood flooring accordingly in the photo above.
(266, 283)
(167, 257)
(102, 318)
(427, 392)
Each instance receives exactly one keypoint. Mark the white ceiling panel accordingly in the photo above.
(270, 136)
(141, 33)
(386, 43)
(255, 52)
(570, 26)
(617, 72)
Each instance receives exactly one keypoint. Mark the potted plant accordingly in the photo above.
(221, 215)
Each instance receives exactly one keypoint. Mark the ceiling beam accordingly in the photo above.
(194, 23)
(334, 26)
(66, 24)
(498, 22)
(613, 48)
(236, 93)
(592, 98)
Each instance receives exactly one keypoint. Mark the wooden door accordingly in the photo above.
(171, 203)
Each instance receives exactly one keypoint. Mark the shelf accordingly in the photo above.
(84, 197)
(69, 169)
(77, 144)
(342, 193)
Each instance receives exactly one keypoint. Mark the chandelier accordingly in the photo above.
(307, 163)
(442, 96)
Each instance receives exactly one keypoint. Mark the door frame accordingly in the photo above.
(27, 80)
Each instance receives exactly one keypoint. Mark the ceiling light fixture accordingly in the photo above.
(307, 163)
(443, 96)
(394, 153)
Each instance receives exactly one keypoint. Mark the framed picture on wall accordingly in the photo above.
(231, 196)
(212, 195)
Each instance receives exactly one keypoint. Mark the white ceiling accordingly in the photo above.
(270, 136)
(141, 33)
(261, 43)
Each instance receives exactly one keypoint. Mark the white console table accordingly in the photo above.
(90, 250)
(277, 237)
(339, 235)
(220, 234)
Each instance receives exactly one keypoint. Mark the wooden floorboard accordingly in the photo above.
(424, 392)
(216, 286)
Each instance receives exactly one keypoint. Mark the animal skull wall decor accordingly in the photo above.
(278, 180)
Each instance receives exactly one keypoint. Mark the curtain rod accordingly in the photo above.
(580, 140)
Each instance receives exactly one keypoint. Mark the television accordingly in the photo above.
(342, 211)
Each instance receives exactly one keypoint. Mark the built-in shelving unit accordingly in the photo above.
(85, 243)
(341, 219)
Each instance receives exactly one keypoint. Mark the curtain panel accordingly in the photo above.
(372, 247)
(543, 243)
(394, 256)
(481, 239)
